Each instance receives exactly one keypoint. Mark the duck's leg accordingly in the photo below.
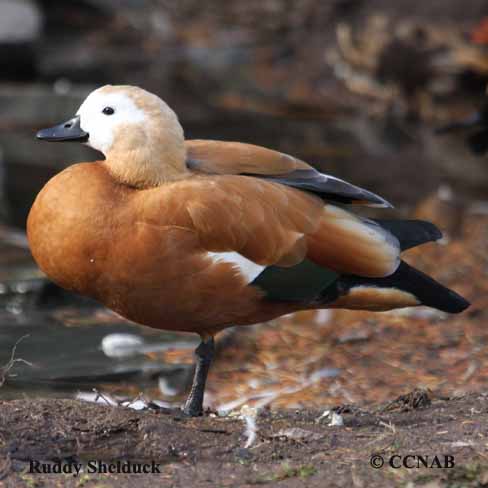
(204, 354)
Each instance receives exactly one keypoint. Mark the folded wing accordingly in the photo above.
(218, 157)
(273, 224)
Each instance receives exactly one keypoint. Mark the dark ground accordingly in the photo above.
(209, 451)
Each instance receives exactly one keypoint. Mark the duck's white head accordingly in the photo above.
(138, 133)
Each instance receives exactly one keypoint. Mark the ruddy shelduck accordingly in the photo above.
(198, 236)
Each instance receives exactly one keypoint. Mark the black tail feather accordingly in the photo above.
(428, 291)
(411, 233)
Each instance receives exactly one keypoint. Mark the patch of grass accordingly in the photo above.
(302, 471)
(84, 479)
(307, 471)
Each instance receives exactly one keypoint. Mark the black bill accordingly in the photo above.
(67, 131)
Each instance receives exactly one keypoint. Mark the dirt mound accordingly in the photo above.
(297, 448)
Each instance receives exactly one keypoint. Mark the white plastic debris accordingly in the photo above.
(136, 404)
(121, 345)
(335, 420)
(324, 416)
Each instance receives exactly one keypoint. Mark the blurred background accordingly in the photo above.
(354, 87)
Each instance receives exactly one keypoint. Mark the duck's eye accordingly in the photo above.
(108, 111)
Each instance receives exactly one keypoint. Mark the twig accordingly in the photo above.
(389, 426)
(4, 370)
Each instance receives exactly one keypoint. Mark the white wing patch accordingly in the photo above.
(246, 267)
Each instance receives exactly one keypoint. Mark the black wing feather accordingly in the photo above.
(410, 233)
(406, 278)
(327, 187)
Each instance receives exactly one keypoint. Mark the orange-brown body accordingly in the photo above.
(143, 252)
(93, 236)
